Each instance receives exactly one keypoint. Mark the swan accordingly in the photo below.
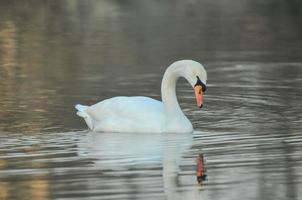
(146, 115)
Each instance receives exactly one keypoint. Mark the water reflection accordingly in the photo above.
(87, 164)
(127, 152)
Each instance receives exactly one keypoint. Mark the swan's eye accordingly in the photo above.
(203, 86)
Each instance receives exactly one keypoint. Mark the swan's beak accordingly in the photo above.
(198, 94)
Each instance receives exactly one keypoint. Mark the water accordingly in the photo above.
(56, 54)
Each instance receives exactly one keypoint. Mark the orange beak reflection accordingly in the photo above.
(198, 94)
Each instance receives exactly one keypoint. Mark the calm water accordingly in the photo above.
(56, 54)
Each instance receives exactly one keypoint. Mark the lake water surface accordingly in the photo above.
(54, 55)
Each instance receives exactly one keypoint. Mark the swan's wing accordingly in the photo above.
(132, 108)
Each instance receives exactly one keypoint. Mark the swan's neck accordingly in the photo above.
(168, 92)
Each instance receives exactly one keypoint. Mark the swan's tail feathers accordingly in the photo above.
(82, 113)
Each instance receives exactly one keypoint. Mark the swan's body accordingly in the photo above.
(123, 114)
(144, 114)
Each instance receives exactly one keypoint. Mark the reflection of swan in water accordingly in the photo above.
(128, 150)
(122, 151)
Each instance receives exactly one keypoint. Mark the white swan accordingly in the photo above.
(144, 114)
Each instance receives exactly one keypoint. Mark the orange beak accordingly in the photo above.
(198, 94)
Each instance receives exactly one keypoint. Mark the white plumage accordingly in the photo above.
(144, 114)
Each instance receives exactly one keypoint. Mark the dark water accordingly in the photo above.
(54, 54)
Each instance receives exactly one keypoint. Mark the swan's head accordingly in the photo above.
(192, 71)
(196, 75)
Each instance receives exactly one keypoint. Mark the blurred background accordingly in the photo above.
(55, 54)
(46, 45)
